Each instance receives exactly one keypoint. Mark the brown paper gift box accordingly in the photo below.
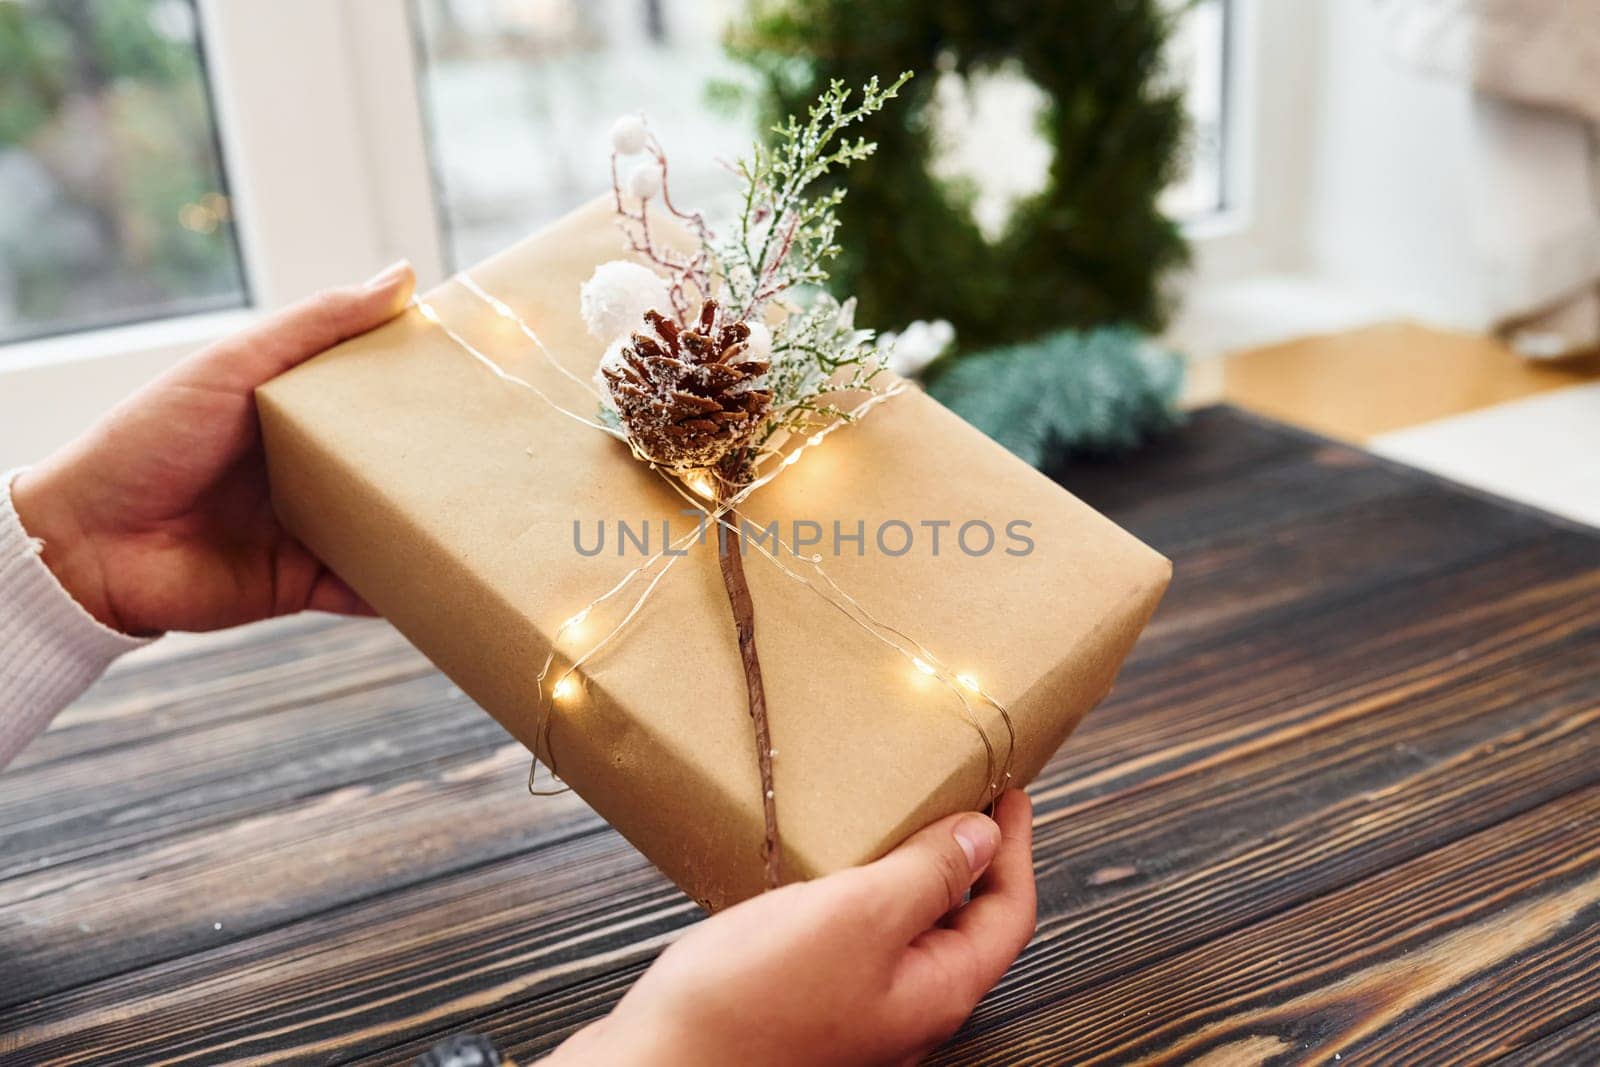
(447, 498)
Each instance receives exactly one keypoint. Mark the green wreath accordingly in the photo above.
(1090, 249)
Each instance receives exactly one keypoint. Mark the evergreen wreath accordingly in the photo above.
(1090, 249)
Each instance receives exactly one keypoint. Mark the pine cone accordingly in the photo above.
(688, 397)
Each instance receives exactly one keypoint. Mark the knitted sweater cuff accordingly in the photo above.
(51, 649)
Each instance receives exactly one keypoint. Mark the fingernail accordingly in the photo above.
(389, 275)
(979, 838)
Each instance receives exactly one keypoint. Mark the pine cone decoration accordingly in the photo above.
(688, 397)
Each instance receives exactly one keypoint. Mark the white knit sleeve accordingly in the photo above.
(51, 649)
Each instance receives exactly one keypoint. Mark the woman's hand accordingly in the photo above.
(873, 965)
(159, 517)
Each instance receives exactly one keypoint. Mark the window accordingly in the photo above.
(520, 96)
(113, 202)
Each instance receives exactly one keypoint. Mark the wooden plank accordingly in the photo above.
(1244, 578)
(345, 980)
(214, 884)
(1188, 839)
(269, 868)
(1354, 677)
(118, 798)
(245, 673)
(1216, 445)
(1401, 967)
(1240, 685)
(1574, 1044)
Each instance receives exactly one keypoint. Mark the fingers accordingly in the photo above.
(999, 921)
(929, 874)
(303, 330)
(332, 595)
(301, 583)
(949, 968)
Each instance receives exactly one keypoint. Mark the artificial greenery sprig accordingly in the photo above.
(785, 239)
(778, 250)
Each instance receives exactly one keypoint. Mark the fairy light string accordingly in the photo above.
(920, 657)
(543, 714)
(504, 310)
(428, 312)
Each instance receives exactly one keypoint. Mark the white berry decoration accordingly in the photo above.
(645, 181)
(628, 135)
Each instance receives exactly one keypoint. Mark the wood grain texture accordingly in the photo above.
(1345, 800)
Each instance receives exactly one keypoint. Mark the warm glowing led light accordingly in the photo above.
(969, 681)
(427, 312)
(924, 666)
(565, 688)
(574, 624)
(702, 485)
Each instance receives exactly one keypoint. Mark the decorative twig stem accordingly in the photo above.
(704, 391)
(730, 553)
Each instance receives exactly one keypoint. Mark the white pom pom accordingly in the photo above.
(645, 181)
(617, 295)
(760, 342)
(628, 135)
(918, 345)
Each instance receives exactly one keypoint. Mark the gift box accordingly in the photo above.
(467, 509)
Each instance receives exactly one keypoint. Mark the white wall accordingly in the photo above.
(1379, 192)
(1389, 203)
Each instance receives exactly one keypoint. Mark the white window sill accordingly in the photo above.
(54, 388)
(144, 338)
(1224, 222)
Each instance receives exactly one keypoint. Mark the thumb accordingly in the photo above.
(929, 875)
(305, 329)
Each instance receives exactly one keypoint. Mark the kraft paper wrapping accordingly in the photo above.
(447, 499)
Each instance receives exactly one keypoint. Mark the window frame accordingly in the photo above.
(290, 81)
(1267, 144)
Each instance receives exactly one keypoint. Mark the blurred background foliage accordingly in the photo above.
(107, 145)
(1073, 392)
(1088, 247)
(1051, 280)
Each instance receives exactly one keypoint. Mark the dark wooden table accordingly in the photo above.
(1344, 805)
